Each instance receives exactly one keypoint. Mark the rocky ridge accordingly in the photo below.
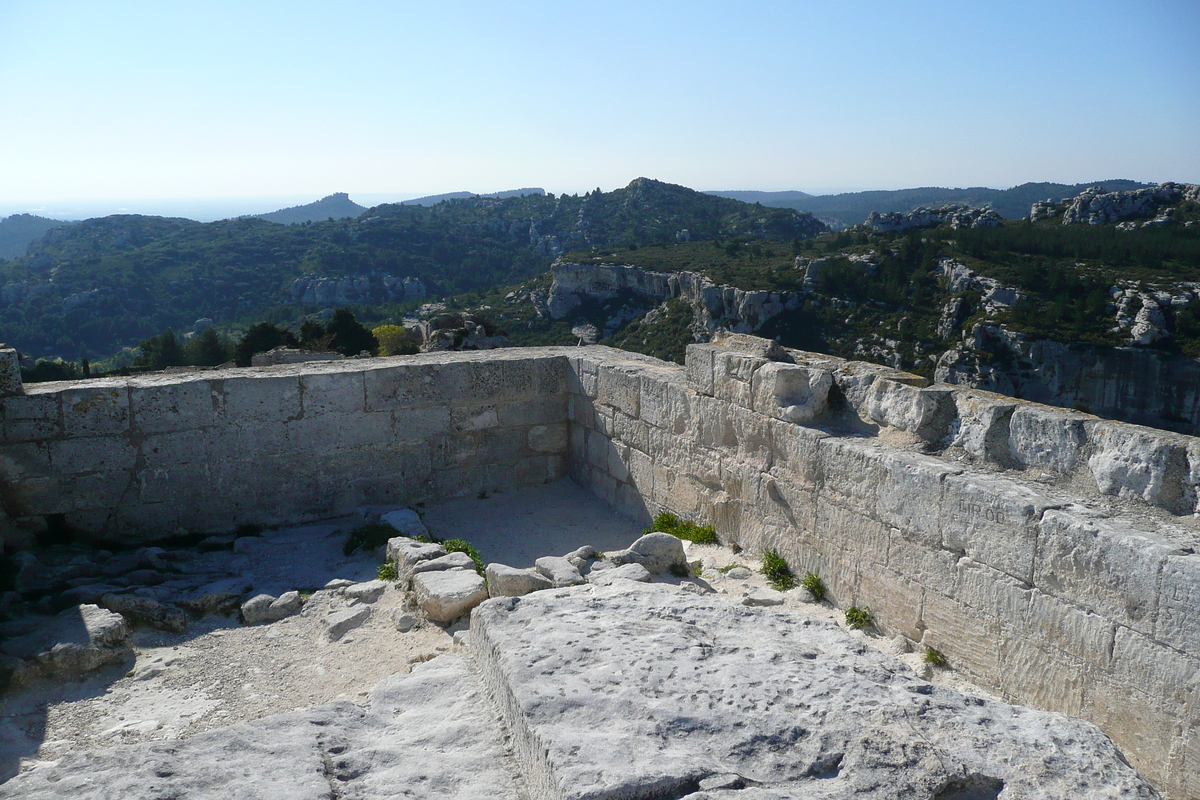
(1095, 206)
(956, 216)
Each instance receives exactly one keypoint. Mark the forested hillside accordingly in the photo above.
(92, 288)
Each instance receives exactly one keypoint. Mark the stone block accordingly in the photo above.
(779, 502)
(520, 377)
(631, 431)
(547, 438)
(794, 452)
(502, 445)
(260, 400)
(1101, 565)
(851, 472)
(1049, 438)
(416, 386)
(339, 392)
(698, 367)
(910, 494)
(10, 373)
(92, 455)
(982, 425)
(506, 581)
(447, 595)
(585, 376)
(30, 417)
(620, 387)
(1178, 624)
(533, 411)
(664, 402)
(96, 410)
(971, 640)
(165, 407)
(339, 623)
(993, 593)
(1085, 636)
(1034, 674)
(933, 568)
(926, 412)
(1143, 464)
(791, 392)
(485, 381)
(993, 521)
(551, 376)
(895, 601)
(407, 553)
(733, 374)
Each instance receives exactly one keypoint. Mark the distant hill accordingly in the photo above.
(852, 208)
(766, 198)
(107, 283)
(434, 199)
(335, 206)
(17, 231)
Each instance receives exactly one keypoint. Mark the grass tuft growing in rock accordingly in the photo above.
(388, 571)
(859, 618)
(815, 586)
(666, 522)
(778, 573)
(368, 537)
(463, 546)
(935, 658)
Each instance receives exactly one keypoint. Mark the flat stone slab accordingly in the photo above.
(446, 595)
(643, 690)
(339, 623)
(428, 734)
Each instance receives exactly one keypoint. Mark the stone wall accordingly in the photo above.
(1037, 548)
(1050, 555)
(143, 458)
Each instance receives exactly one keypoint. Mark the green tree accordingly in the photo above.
(262, 337)
(206, 349)
(348, 336)
(160, 351)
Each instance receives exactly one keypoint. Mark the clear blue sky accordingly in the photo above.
(107, 100)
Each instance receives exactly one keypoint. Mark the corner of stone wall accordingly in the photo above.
(10, 373)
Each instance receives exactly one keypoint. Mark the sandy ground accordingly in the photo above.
(220, 672)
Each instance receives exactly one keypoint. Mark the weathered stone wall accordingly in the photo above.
(143, 458)
(1049, 554)
(1022, 541)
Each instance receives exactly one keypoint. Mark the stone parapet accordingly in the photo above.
(1050, 555)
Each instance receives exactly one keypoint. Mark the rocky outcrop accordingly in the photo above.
(361, 288)
(956, 216)
(717, 307)
(1095, 206)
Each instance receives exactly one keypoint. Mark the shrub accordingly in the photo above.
(859, 618)
(815, 586)
(368, 537)
(778, 573)
(388, 571)
(666, 522)
(463, 546)
(934, 658)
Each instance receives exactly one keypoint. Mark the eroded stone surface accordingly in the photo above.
(428, 734)
(650, 691)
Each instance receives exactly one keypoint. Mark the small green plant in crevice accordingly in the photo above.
(666, 522)
(815, 586)
(725, 570)
(859, 618)
(368, 537)
(935, 658)
(778, 573)
(463, 546)
(388, 571)
(680, 570)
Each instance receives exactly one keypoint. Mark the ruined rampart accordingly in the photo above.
(1048, 554)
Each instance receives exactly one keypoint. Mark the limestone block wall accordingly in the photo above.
(1049, 555)
(146, 457)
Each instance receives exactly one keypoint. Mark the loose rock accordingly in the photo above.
(506, 581)
(446, 595)
(559, 571)
(339, 623)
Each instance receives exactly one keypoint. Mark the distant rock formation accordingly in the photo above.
(1095, 206)
(335, 206)
(956, 216)
(359, 288)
